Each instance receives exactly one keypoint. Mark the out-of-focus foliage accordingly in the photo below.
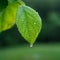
(41, 52)
(54, 18)
(3, 4)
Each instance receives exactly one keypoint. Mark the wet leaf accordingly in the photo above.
(28, 23)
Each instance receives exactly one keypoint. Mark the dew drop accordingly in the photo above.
(31, 45)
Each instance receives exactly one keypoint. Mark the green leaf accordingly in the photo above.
(16, 1)
(7, 18)
(28, 23)
(12, 1)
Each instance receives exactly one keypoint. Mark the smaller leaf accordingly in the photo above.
(7, 17)
(28, 23)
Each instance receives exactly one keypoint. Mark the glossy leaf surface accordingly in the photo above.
(28, 23)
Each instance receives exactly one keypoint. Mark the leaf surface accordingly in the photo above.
(7, 17)
(28, 23)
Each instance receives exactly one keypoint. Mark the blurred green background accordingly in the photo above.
(47, 46)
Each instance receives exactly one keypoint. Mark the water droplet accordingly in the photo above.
(31, 45)
(34, 23)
